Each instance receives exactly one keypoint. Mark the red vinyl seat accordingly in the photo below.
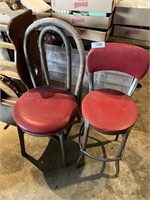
(44, 118)
(107, 110)
(113, 111)
(46, 109)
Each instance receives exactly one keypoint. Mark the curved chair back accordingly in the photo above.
(60, 27)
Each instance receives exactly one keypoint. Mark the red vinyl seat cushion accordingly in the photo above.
(109, 111)
(45, 110)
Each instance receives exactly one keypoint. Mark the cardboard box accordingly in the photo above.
(132, 16)
(130, 32)
(85, 21)
(93, 35)
(105, 6)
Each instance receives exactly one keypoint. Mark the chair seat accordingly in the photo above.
(109, 111)
(45, 110)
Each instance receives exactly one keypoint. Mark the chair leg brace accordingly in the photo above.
(61, 139)
(85, 129)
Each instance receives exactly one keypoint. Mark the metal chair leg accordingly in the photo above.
(22, 142)
(116, 138)
(83, 145)
(81, 132)
(120, 151)
(104, 160)
(62, 146)
(123, 142)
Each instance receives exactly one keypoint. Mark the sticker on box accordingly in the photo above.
(97, 45)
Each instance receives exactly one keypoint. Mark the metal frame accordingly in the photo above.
(84, 131)
(60, 24)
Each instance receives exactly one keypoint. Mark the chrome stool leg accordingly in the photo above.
(62, 146)
(83, 145)
(22, 142)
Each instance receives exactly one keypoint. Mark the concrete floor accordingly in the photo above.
(42, 175)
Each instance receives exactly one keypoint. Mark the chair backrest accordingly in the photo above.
(63, 29)
(16, 31)
(13, 81)
(118, 57)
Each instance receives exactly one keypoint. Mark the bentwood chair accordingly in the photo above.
(47, 110)
(110, 111)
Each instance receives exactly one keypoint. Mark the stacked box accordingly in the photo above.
(132, 23)
(92, 18)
